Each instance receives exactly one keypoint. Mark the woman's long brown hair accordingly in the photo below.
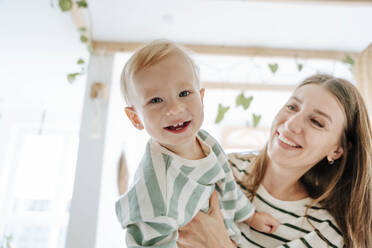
(345, 187)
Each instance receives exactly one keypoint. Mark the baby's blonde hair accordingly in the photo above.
(147, 56)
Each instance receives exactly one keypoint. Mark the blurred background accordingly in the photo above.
(67, 151)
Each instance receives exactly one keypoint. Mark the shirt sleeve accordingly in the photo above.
(241, 165)
(244, 208)
(160, 233)
(239, 169)
(145, 230)
(146, 221)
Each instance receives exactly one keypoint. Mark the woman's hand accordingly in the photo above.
(206, 229)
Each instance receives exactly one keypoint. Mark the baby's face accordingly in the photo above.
(168, 101)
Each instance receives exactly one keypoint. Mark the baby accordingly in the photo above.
(182, 164)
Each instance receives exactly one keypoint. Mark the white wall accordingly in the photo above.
(39, 46)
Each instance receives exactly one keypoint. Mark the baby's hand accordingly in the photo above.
(263, 222)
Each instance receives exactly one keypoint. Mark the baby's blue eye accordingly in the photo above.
(184, 93)
(156, 100)
(290, 107)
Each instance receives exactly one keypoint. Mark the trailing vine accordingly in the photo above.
(245, 102)
(68, 6)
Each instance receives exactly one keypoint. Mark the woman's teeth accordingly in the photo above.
(284, 140)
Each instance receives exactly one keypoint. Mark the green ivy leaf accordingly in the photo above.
(256, 119)
(83, 38)
(243, 101)
(273, 67)
(90, 48)
(65, 5)
(300, 67)
(348, 60)
(82, 29)
(80, 61)
(221, 113)
(72, 76)
(82, 4)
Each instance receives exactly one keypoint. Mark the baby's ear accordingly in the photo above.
(202, 90)
(133, 117)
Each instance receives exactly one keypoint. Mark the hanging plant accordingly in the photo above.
(255, 120)
(241, 100)
(66, 6)
(348, 60)
(273, 67)
(221, 113)
(299, 67)
(82, 4)
(71, 77)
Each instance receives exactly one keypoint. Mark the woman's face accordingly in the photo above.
(307, 129)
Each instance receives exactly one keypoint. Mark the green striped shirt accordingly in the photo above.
(315, 228)
(168, 191)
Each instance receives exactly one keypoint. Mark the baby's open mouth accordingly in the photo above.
(178, 126)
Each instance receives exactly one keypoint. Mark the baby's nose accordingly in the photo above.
(175, 108)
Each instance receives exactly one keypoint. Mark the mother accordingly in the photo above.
(314, 175)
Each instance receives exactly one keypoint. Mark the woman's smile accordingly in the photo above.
(287, 143)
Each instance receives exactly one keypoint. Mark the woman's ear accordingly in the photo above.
(133, 117)
(336, 154)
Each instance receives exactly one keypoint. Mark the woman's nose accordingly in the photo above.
(294, 123)
(175, 108)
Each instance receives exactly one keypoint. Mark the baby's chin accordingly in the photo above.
(178, 142)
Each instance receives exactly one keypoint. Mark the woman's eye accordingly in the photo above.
(317, 123)
(184, 93)
(156, 100)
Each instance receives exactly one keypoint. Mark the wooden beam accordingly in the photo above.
(248, 86)
(113, 47)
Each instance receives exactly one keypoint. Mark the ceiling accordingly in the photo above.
(279, 24)
(39, 44)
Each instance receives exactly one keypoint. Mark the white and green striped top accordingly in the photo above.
(315, 228)
(168, 191)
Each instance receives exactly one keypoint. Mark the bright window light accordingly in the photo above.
(41, 189)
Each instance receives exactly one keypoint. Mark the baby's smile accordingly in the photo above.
(179, 127)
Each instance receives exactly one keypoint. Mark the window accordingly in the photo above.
(40, 187)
